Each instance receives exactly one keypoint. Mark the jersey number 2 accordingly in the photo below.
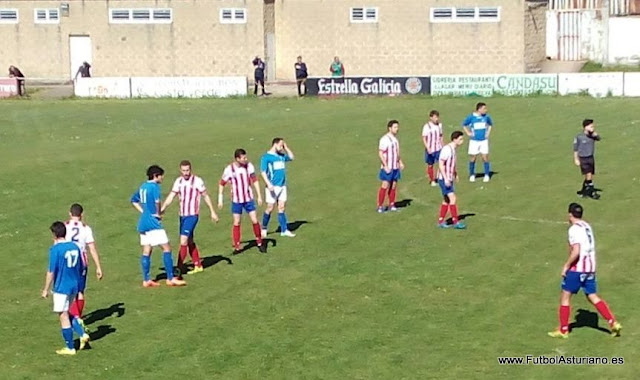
(72, 258)
(76, 232)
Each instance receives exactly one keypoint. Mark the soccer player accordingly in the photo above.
(447, 173)
(272, 168)
(241, 174)
(583, 148)
(64, 273)
(147, 201)
(81, 234)
(389, 154)
(432, 140)
(478, 127)
(579, 271)
(189, 188)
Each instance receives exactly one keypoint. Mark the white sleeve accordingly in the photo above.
(89, 237)
(200, 185)
(251, 170)
(574, 235)
(425, 130)
(176, 187)
(384, 144)
(226, 174)
(445, 153)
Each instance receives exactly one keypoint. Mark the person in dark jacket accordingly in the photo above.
(301, 76)
(15, 72)
(84, 70)
(259, 67)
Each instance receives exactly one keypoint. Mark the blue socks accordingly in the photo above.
(77, 328)
(145, 262)
(168, 264)
(472, 168)
(487, 168)
(265, 220)
(67, 335)
(282, 220)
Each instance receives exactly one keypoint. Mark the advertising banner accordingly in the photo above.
(487, 85)
(595, 84)
(368, 86)
(8, 87)
(188, 87)
(107, 87)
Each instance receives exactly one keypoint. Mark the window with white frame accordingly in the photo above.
(233, 16)
(465, 14)
(363, 15)
(46, 16)
(8, 16)
(140, 15)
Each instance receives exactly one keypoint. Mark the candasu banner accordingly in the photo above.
(368, 86)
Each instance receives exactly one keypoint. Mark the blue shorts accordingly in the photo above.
(446, 190)
(573, 281)
(188, 225)
(236, 208)
(432, 158)
(82, 283)
(394, 176)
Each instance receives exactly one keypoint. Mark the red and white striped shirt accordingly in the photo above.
(189, 191)
(390, 148)
(581, 233)
(432, 135)
(81, 234)
(241, 179)
(447, 163)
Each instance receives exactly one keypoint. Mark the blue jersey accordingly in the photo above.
(149, 198)
(478, 125)
(65, 262)
(274, 165)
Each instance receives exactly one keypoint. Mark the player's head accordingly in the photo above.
(457, 137)
(575, 211)
(58, 230)
(393, 126)
(278, 144)
(481, 108)
(587, 125)
(185, 169)
(76, 210)
(241, 156)
(434, 116)
(336, 59)
(299, 59)
(155, 173)
(256, 60)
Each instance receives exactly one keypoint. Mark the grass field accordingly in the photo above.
(355, 295)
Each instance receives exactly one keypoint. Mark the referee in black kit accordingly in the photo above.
(583, 148)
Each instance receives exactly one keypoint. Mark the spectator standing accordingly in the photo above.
(84, 71)
(259, 67)
(15, 72)
(301, 76)
(337, 68)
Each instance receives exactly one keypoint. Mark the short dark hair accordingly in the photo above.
(255, 60)
(239, 152)
(391, 123)
(456, 134)
(76, 209)
(434, 113)
(575, 210)
(185, 163)
(586, 122)
(480, 105)
(276, 140)
(153, 171)
(58, 229)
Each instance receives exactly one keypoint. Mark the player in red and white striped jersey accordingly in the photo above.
(391, 165)
(81, 234)
(579, 271)
(432, 140)
(241, 174)
(447, 174)
(190, 189)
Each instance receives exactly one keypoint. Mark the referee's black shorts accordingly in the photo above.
(587, 165)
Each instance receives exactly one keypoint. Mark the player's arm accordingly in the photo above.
(576, 159)
(256, 185)
(425, 141)
(207, 201)
(221, 186)
(48, 279)
(135, 202)
(382, 160)
(489, 126)
(574, 254)
(167, 202)
(93, 249)
(466, 126)
(441, 166)
(289, 152)
(267, 183)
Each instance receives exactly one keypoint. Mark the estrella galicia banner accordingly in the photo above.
(368, 86)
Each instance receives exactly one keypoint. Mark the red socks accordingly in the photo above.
(454, 213)
(195, 255)
(444, 208)
(76, 308)
(182, 254)
(257, 232)
(430, 173)
(604, 310)
(381, 193)
(392, 197)
(235, 232)
(563, 314)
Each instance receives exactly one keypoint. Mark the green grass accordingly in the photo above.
(593, 67)
(355, 295)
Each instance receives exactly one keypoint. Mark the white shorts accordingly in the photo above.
(61, 302)
(279, 194)
(154, 238)
(478, 147)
